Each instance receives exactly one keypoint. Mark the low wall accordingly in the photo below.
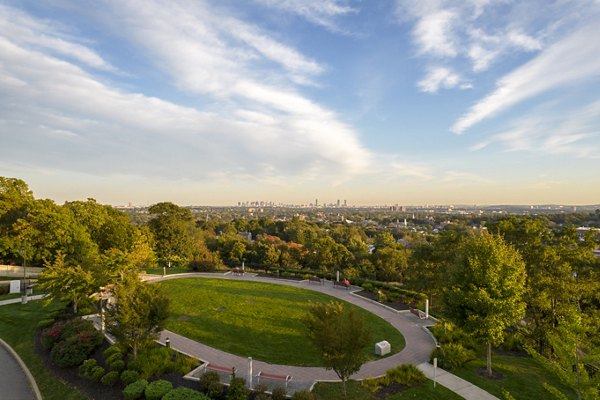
(13, 271)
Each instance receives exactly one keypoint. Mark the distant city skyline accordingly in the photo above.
(391, 102)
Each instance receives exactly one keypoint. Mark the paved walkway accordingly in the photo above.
(16, 383)
(419, 344)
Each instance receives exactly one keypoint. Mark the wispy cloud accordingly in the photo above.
(441, 77)
(318, 12)
(570, 60)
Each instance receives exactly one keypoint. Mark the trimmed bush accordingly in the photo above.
(303, 395)
(113, 357)
(97, 373)
(237, 389)
(157, 389)
(114, 349)
(210, 383)
(156, 361)
(214, 390)
(183, 393)
(407, 375)
(86, 368)
(75, 349)
(110, 378)
(135, 390)
(128, 376)
(452, 355)
(260, 388)
(279, 393)
(117, 365)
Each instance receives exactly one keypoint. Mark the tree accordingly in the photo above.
(485, 290)
(341, 335)
(67, 283)
(174, 231)
(138, 314)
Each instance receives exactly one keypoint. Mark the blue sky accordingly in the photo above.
(373, 102)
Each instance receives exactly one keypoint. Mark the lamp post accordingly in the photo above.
(24, 298)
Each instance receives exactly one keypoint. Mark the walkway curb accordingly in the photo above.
(32, 382)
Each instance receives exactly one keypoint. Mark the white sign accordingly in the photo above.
(15, 287)
(382, 348)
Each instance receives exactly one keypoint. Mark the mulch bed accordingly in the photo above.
(396, 305)
(70, 376)
(96, 390)
(389, 390)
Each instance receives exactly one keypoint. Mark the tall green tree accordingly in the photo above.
(138, 313)
(70, 283)
(174, 231)
(485, 289)
(341, 335)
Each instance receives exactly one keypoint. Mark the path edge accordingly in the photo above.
(30, 378)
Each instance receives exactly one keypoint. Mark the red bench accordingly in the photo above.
(284, 378)
(237, 272)
(315, 279)
(341, 285)
(219, 368)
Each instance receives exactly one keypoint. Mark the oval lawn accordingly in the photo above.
(260, 320)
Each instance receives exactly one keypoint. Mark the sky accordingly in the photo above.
(404, 102)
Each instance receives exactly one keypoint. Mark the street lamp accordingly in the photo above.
(24, 298)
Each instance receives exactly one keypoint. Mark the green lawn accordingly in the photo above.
(523, 377)
(255, 319)
(425, 391)
(18, 324)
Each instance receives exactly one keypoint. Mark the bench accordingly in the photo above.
(418, 313)
(316, 279)
(237, 272)
(341, 285)
(285, 378)
(218, 368)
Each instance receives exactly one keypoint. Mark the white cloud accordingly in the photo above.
(319, 12)
(38, 34)
(434, 34)
(441, 77)
(566, 62)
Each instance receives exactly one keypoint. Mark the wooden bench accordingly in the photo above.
(284, 378)
(341, 285)
(418, 313)
(237, 272)
(316, 279)
(218, 368)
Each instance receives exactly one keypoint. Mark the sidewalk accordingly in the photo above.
(419, 345)
(16, 383)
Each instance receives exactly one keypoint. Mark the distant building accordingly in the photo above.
(246, 235)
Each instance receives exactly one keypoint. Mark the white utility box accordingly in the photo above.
(382, 348)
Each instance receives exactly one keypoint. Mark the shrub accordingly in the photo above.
(214, 390)
(157, 361)
(279, 393)
(75, 349)
(207, 378)
(407, 375)
(109, 378)
(86, 368)
(128, 376)
(262, 396)
(51, 335)
(367, 286)
(113, 357)
(114, 349)
(452, 355)
(117, 365)
(183, 393)
(157, 389)
(260, 388)
(45, 323)
(303, 395)
(237, 389)
(135, 390)
(97, 373)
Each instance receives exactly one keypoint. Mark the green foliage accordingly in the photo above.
(260, 388)
(85, 369)
(341, 336)
(129, 376)
(303, 395)
(154, 361)
(183, 393)
(116, 365)
(71, 342)
(452, 355)
(112, 350)
(135, 390)
(237, 389)
(110, 378)
(210, 382)
(97, 373)
(279, 393)
(406, 374)
(157, 389)
(485, 289)
(136, 320)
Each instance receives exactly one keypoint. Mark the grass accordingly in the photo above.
(35, 291)
(169, 271)
(523, 377)
(260, 320)
(356, 391)
(18, 324)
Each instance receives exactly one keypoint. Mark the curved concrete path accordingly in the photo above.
(16, 382)
(419, 343)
